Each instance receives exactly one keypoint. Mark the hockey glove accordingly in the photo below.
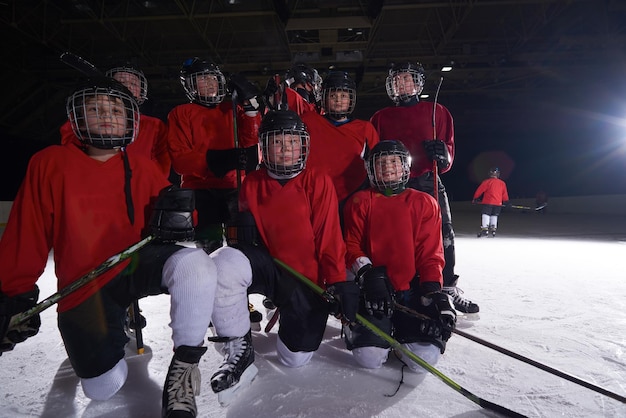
(242, 230)
(221, 161)
(507, 204)
(441, 308)
(269, 95)
(377, 290)
(345, 300)
(244, 88)
(10, 306)
(172, 218)
(437, 151)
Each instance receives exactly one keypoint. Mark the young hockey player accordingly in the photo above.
(89, 202)
(338, 142)
(204, 150)
(295, 211)
(411, 122)
(492, 194)
(394, 248)
(301, 89)
(151, 140)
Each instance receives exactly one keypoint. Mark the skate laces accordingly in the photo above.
(183, 385)
(455, 292)
(233, 351)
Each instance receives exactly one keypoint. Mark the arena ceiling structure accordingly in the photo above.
(505, 54)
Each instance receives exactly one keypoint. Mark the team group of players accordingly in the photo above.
(283, 174)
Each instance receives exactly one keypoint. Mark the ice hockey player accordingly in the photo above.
(339, 143)
(492, 194)
(301, 89)
(290, 212)
(411, 122)
(89, 202)
(394, 248)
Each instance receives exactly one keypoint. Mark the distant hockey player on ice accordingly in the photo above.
(492, 195)
(411, 121)
(394, 248)
(88, 202)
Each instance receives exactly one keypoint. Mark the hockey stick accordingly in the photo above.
(78, 283)
(520, 357)
(80, 64)
(396, 345)
(435, 166)
(136, 315)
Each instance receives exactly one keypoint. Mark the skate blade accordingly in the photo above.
(226, 396)
(255, 326)
(468, 316)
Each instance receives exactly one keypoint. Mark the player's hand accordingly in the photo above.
(10, 306)
(377, 290)
(437, 151)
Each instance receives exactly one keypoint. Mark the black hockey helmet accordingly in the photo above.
(494, 172)
(193, 68)
(338, 81)
(274, 126)
(377, 177)
(302, 73)
(83, 106)
(396, 91)
(129, 68)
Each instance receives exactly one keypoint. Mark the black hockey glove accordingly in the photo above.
(10, 306)
(440, 307)
(377, 290)
(221, 161)
(437, 151)
(345, 302)
(244, 88)
(269, 95)
(172, 217)
(242, 230)
(507, 204)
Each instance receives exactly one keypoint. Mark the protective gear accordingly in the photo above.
(246, 92)
(494, 172)
(346, 300)
(237, 366)
(143, 82)
(437, 151)
(438, 305)
(172, 217)
(285, 157)
(334, 83)
(377, 290)
(182, 383)
(302, 73)
(11, 306)
(221, 161)
(87, 111)
(397, 88)
(460, 303)
(195, 70)
(242, 230)
(269, 95)
(380, 171)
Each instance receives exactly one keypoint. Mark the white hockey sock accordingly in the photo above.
(292, 358)
(103, 387)
(493, 222)
(427, 352)
(370, 357)
(190, 277)
(231, 317)
(485, 221)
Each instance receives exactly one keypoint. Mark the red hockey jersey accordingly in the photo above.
(493, 191)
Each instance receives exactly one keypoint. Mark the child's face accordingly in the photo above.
(338, 101)
(131, 81)
(404, 84)
(105, 115)
(284, 150)
(207, 85)
(388, 168)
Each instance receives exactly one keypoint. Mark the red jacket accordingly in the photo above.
(401, 232)
(493, 191)
(76, 206)
(413, 125)
(298, 222)
(339, 150)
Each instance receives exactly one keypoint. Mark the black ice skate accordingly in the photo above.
(255, 317)
(492, 232)
(483, 232)
(238, 369)
(460, 303)
(182, 383)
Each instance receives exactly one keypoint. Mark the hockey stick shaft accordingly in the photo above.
(80, 282)
(522, 358)
(396, 345)
(80, 64)
(435, 166)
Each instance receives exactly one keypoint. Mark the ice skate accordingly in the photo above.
(483, 232)
(182, 383)
(237, 371)
(255, 318)
(492, 232)
(460, 303)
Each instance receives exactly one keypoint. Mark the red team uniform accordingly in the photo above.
(492, 194)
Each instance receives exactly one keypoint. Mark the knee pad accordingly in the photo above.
(292, 358)
(427, 352)
(370, 357)
(233, 263)
(103, 387)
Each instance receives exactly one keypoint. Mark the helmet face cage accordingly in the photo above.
(194, 76)
(140, 84)
(285, 151)
(388, 168)
(336, 88)
(103, 115)
(301, 73)
(397, 90)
